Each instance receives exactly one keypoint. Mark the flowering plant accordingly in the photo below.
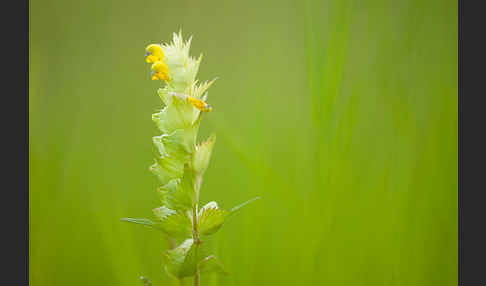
(181, 162)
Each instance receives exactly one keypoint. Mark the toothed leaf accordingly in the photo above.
(164, 95)
(177, 115)
(163, 212)
(200, 158)
(211, 264)
(175, 224)
(182, 261)
(179, 194)
(174, 150)
(211, 220)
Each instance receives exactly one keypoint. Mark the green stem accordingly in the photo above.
(195, 229)
(196, 278)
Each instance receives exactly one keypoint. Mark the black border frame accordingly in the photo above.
(14, 119)
(471, 155)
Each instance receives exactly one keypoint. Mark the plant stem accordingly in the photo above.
(196, 278)
(195, 230)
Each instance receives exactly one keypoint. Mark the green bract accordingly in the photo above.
(180, 162)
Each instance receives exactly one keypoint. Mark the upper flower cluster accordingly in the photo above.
(155, 56)
(172, 64)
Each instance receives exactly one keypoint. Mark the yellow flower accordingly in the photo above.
(199, 104)
(160, 70)
(154, 53)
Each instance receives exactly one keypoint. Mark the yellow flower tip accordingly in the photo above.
(164, 76)
(160, 66)
(160, 75)
(151, 59)
(160, 71)
(199, 104)
(155, 50)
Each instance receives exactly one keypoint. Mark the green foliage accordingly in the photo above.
(142, 221)
(211, 264)
(201, 156)
(162, 212)
(238, 207)
(145, 281)
(179, 194)
(211, 220)
(182, 261)
(173, 223)
(179, 114)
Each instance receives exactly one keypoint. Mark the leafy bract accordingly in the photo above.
(179, 194)
(174, 224)
(182, 261)
(174, 152)
(211, 218)
(183, 68)
(178, 114)
(202, 154)
(211, 264)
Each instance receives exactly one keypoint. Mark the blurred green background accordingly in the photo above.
(341, 115)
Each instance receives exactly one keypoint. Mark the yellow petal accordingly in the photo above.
(160, 66)
(155, 50)
(151, 59)
(199, 104)
(164, 76)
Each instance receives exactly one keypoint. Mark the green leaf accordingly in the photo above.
(166, 169)
(142, 221)
(198, 89)
(173, 145)
(183, 68)
(178, 114)
(200, 158)
(163, 212)
(174, 152)
(211, 264)
(146, 281)
(179, 194)
(182, 261)
(236, 208)
(211, 218)
(164, 95)
(184, 196)
(175, 224)
(167, 189)
(189, 267)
